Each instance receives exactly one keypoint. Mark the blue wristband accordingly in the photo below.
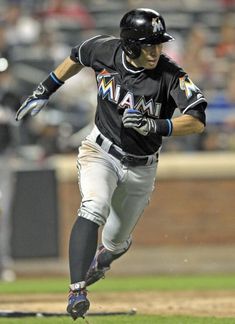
(170, 127)
(54, 77)
(52, 83)
(164, 127)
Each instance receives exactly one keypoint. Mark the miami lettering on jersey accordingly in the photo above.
(188, 86)
(107, 88)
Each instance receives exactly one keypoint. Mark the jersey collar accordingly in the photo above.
(128, 66)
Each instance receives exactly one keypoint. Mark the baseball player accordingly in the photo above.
(139, 88)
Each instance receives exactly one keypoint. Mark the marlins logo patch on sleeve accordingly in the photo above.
(188, 86)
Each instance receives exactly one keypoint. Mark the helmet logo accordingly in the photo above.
(157, 25)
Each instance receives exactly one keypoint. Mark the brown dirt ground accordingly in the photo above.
(206, 303)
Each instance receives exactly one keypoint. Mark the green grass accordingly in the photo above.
(150, 283)
(138, 319)
(226, 282)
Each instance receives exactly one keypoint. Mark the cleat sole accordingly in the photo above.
(79, 309)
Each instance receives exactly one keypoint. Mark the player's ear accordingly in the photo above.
(131, 48)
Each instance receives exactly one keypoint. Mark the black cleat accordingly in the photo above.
(95, 271)
(78, 304)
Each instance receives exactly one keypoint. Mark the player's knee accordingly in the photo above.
(116, 246)
(95, 211)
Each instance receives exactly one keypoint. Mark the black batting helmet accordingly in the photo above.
(142, 26)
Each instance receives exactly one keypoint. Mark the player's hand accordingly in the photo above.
(34, 103)
(133, 118)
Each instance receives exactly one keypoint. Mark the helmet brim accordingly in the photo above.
(158, 39)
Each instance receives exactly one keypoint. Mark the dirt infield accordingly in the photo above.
(206, 303)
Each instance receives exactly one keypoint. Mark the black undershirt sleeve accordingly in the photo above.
(198, 112)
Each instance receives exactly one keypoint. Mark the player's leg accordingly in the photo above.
(97, 180)
(84, 232)
(128, 203)
(102, 261)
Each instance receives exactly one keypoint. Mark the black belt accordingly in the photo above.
(126, 160)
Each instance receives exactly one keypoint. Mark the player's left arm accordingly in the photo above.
(192, 122)
(185, 125)
(192, 104)
(188, 98)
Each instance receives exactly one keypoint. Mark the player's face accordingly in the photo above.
(149, 56)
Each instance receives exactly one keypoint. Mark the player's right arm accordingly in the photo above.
(40, 96)
(67, 69)
(81, 56)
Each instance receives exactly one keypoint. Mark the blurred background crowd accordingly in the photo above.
(35, 36)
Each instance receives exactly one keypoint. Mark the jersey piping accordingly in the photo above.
(193, 104)
(129, 70)
(79, 51)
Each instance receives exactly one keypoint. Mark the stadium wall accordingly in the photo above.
(193, 202)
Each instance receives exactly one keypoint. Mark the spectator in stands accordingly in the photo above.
(21, 28)
(223, 102)
(226, 45)
(198, 56)
(4, 46)
(221, 117)
(48, 47)
(224, 52)
(67, 11)
(228, 4)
